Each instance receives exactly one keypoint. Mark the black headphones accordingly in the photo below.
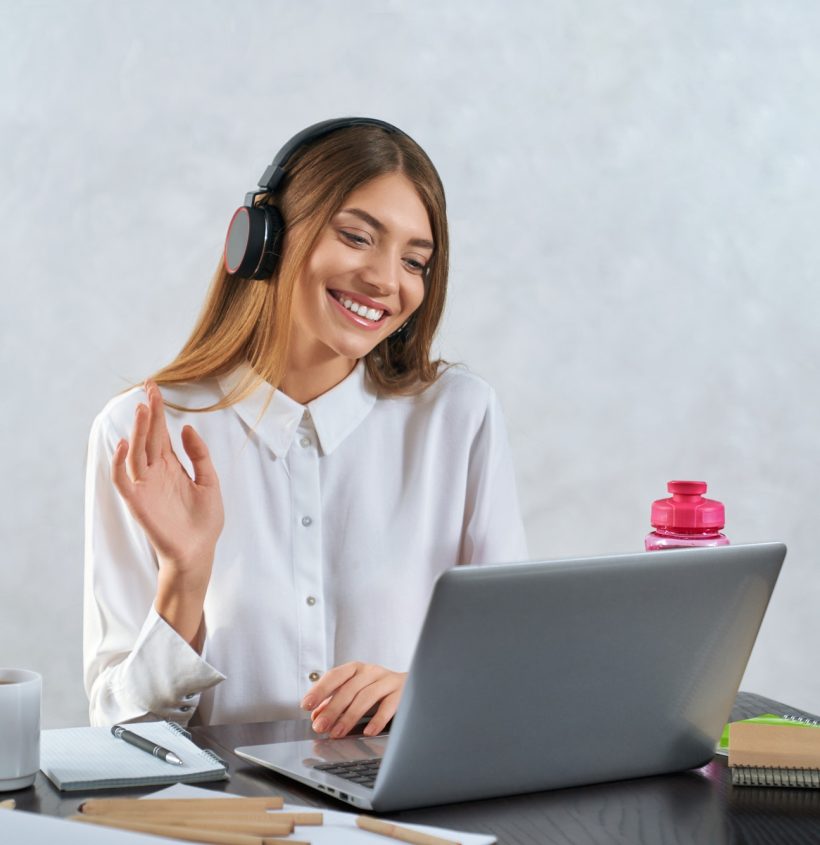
(255, 233)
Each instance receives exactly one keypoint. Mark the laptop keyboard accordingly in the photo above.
(362, 772)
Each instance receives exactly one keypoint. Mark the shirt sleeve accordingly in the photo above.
(493, 528)
(136, 666)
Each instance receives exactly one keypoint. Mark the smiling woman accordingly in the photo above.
(363, 281)
(282, 560)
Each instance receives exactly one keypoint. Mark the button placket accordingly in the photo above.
(308, 555)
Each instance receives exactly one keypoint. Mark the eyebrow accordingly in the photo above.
(380, 227)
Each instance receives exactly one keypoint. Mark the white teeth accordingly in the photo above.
(362, 310)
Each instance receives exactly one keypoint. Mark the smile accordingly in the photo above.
(357, 312)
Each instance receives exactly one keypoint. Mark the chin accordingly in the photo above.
(355, 350)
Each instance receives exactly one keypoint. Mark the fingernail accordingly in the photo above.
(368, 731)
(319, 725)
(337, 731)
(307, 704)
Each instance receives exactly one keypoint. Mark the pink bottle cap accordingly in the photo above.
(687, 509)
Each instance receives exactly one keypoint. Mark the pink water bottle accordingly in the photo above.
(686, 518)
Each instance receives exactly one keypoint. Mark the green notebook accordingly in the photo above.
(772, 775)
(92, 758)
(764, 719)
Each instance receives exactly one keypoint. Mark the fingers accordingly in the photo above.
(151, 442)
(340, 703)
(118, 472)
(197, 451)
(136, 461)
(317, 711)
(157, 439)
(361, 703)
(387, 710)
(353, 690)
(329, 683)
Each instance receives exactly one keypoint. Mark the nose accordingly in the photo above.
(381, 273)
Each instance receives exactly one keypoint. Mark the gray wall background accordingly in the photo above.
(633, 197)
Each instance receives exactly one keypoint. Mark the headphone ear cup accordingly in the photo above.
(274, 230)
(253, 241)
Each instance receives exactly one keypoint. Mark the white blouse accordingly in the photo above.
(339, 517)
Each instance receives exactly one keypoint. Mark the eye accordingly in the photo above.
(415, 266)
(357, 240)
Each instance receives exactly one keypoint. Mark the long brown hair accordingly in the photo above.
(249, 321)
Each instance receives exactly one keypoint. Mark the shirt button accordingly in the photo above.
(311, 600)
(185, 708)
(306, 520)
(314, 676)
(306, 415)
(304, 442)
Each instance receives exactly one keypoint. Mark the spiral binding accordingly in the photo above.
(176, 728)
(802, 720)
(769, 776)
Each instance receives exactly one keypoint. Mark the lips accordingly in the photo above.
(343, 300)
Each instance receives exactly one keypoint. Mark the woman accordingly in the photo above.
(282, 560)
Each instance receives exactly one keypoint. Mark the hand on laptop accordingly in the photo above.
(340, 698)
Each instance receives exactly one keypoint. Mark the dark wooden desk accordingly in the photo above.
(694, 808)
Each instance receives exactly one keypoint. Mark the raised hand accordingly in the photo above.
(181, 516)
(346, 693)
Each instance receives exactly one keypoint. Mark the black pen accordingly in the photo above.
(146, 745)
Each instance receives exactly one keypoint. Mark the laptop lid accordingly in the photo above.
(551, 674)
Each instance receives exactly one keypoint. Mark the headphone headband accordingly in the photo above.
(275, 172)
(255, 232)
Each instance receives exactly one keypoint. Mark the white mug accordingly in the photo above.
(20, 702)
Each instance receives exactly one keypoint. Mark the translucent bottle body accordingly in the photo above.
(660, 539)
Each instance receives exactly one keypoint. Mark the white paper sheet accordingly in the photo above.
(339, 828)
(21, 828)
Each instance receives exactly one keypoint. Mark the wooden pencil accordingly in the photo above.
(188, 834)
(404, 834)
(257, 824)
(217, 806)
(299, 818)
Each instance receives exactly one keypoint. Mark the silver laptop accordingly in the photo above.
(534, 676)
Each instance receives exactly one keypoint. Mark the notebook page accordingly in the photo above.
(94, 754)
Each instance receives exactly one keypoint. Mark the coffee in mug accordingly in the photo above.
(20, 703)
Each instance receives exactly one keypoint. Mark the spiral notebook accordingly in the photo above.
(763, 753)
(92, 758)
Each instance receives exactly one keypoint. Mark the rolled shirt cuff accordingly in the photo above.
(163, 675)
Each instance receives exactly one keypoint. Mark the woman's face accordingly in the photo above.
(364, 277)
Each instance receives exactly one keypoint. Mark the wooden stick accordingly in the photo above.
(299, 818)
(218, 806)
(8, 804)
(257, 824)
(188, 834)
(402, 833)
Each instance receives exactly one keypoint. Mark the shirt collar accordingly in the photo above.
(339, 411)
(335, 414)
